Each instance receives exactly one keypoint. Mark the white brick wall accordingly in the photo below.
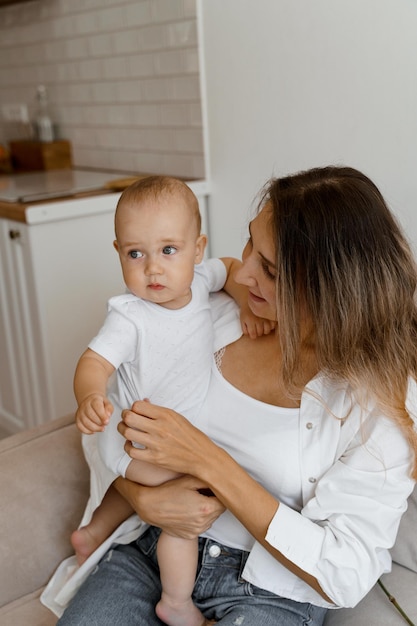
(122, 78)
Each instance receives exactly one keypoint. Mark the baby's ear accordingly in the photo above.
(200, 246)
(116, 245)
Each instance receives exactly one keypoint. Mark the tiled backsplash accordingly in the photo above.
(122, 78)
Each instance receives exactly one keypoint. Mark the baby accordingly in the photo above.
(157, 340)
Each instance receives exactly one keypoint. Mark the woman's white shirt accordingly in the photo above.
(340, 472)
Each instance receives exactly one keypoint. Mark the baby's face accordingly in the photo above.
(158, 246)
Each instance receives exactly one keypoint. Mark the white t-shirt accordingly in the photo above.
(161, 354)
(258, 436)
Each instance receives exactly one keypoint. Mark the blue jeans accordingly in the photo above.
(124, 589)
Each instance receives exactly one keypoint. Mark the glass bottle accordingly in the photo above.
(44, 128)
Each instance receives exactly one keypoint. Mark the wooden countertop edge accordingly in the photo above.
(16, 211)
(12, 211)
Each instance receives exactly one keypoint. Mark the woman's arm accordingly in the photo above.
(172, 442)
(338, 545)
(176, 506)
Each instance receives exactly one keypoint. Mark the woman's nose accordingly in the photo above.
(244, 275)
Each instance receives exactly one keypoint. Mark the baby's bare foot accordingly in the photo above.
(84, 543)
(180, 614)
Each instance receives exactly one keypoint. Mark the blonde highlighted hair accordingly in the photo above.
(343, 260)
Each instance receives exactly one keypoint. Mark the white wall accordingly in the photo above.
(292, 84)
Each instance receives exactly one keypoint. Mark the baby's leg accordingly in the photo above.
(177, 560)
(112, 511)
(148, 474)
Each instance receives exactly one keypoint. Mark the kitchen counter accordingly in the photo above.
(20, 193)
(39, 197)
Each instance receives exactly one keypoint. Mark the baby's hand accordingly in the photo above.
(255, 326)
(93, 414)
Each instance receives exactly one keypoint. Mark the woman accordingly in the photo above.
(309, 444)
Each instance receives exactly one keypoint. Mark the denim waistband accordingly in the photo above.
(212, 552)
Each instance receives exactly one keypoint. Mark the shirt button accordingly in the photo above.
(309, 425)
(214, 551)
(312, 479)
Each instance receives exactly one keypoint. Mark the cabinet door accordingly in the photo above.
(22, 389)
(75, 271)
(55, 280)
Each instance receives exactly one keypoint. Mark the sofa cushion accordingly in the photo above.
(45, 469)
(376, 608)
(404, 551)
(27, 611)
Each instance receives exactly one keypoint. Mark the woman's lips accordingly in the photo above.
(255, 298)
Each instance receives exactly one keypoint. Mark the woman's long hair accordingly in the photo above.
(343, 261)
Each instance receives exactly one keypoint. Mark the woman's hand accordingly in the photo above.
(176, 506)
(166, 438)
(171, 441)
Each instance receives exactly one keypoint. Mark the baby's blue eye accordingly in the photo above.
(135, 254)
(169, 250)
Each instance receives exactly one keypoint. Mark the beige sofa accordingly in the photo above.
(44, 488)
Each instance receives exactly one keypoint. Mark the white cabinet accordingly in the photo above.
(57, 272)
